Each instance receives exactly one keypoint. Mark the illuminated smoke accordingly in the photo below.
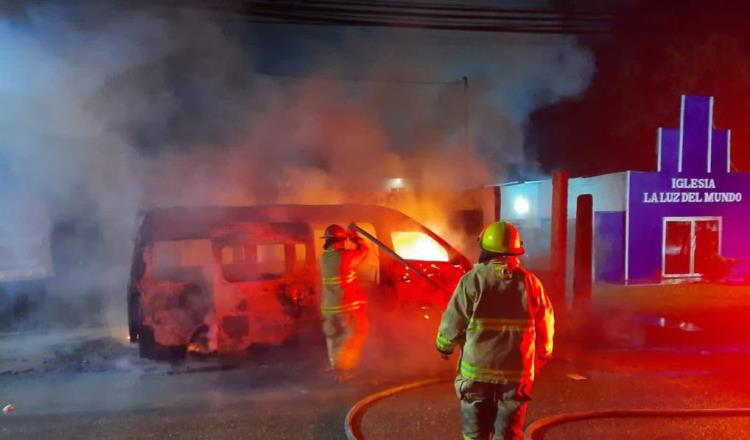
(108, 111)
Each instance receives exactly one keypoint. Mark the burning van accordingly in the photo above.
(220, 279)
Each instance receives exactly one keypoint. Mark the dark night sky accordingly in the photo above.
(654, 54)
(88, 87)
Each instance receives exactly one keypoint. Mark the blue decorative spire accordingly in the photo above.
(696, 148)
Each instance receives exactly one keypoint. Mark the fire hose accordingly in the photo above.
(537, 429)
(353, 418)
(398, 258)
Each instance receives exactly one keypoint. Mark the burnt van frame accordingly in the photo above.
(197, 223)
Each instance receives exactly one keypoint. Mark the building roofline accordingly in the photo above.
(522, 182)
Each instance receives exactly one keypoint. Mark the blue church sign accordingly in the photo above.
(690, 217)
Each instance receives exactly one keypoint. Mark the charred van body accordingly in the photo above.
(220, 279)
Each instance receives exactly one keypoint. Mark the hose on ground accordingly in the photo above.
(537, 429)
(352, 427)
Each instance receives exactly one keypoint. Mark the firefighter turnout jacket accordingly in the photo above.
(341, 291)
(501, 318)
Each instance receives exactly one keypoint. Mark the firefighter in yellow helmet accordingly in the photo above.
(343, 301)
(504, 324)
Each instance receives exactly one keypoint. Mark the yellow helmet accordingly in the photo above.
(501, 238)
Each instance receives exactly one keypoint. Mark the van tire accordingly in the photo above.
(148, 348)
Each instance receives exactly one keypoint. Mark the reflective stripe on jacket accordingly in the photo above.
(502, 319)
(341, 291)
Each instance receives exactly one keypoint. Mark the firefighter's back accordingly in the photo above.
(499, 333)
(498, 314)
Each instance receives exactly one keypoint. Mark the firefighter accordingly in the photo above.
(503, 322)
(343, 302)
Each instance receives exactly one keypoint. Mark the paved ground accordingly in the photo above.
(93, 386)
(683, 346)
(85, 385)
(614, 380)
(259, 399)
(287, 397)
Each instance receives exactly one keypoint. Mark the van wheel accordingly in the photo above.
(148, 348)
(146, 343)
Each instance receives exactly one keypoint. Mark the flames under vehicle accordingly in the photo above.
(220, 279)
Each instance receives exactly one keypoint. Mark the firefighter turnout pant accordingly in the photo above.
(345, 333)
(488, 408)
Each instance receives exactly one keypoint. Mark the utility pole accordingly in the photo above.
(465, 80)
(583, 262)
(559, 238)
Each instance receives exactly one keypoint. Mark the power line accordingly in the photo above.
(332, 20)
(292, 76)
(412, 15)
(371, 10)
(459, 8)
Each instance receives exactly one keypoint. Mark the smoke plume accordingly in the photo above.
(108, 110)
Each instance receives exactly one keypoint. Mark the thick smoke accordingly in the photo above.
(109, 111)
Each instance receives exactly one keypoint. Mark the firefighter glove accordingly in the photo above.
(444, 354)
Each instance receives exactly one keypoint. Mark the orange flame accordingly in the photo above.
(414, 245)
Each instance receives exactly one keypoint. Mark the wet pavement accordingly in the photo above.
(260, 398)
(290, 398)
(589, 382)
(77, 387)
(91, 385)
